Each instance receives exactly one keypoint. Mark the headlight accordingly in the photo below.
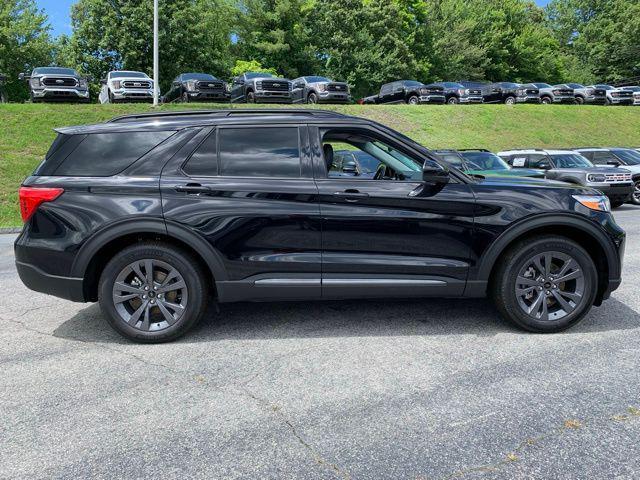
(191, 85)
(599, 203)
(462, 91)
(521, 92)
(596, 178)
(227, 88)
(116, 84)
(258, 85)
(35, 82)
(322, 87)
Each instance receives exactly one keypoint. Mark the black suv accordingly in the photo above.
(153, 215)
(3, 94)
(57, 84)
(193, 87)
(511, 93)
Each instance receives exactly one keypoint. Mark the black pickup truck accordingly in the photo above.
(411, 92)
(511, 93)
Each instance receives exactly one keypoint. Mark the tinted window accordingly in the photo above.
(105, 154)
(258, 75)
(451, 159)
(412, 83)
(316, 79)
(535, 159)
(575, 85)
(571, 160)
(542, 85)
(204, 161)
(484, 161)
(628, 156)
(601, 158)
(259, 152)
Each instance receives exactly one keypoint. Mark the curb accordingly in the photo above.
(4, 230)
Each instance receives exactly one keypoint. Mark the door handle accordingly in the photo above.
(351, 195)
(192, 189)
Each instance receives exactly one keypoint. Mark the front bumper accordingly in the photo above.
(265, 96)
(564, 99)
(209, 96)
(39, 281)
(58, 93)
(593, 100)
(616, 192)
(528, 99)
(334, 97)
(133, 94)
(621, 101)
(471, 99)
(432, 99)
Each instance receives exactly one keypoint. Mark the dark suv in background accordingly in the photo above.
(511, 93)
(155, 215)
(457, 93)
(261, 87)
(193, 87)
(57, 84)
(314, 89)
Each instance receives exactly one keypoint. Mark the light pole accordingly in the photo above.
(155, 54)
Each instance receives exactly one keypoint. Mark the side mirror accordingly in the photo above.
(176, 84)
(544, 165)
(22, 76)
(103, 81)
(350, 167)
(434, 173)
(613, 163)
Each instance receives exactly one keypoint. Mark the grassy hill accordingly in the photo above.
(27, 130)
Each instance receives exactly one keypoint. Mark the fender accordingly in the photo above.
(142, 225)
(545, 220)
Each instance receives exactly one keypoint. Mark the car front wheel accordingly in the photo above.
(510, 101)
(635, 196)
(413, 100)
(152, 292)
(312, 98)
(453, 101)
(545, 284)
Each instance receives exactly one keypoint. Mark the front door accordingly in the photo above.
(384, 232)
(249, 192)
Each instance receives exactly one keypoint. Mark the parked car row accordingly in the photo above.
(413, 92)
(613, 171)
(56, 83)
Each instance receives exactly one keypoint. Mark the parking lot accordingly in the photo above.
(391, 389)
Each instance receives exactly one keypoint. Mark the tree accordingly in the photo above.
(25, 43)
(242, 66)
(195, 35)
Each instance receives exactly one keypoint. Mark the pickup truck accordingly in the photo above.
(410, 92)
(260, 87)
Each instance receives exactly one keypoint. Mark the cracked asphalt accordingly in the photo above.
(433, 389)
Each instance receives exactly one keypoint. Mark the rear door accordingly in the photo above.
(385, 237)
(249, 192)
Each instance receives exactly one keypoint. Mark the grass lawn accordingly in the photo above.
(27, 130)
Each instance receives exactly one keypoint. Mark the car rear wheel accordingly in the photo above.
(545, 284)
(635, 196)
(152, 292)
(413, 100)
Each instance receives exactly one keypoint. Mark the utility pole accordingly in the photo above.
(156, 75)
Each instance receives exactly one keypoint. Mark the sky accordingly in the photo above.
(58, 11)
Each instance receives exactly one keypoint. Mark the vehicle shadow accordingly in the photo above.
(264, 321)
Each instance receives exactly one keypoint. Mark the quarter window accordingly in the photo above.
(204, 161)
(259, 152)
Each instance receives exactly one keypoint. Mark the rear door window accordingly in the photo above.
(259, 152)
(535, 159)
(106, 154)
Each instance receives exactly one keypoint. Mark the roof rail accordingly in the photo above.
(228, 113)
(474, 150)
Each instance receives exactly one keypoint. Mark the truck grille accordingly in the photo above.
(277, 86)
(59, 82)
(618, 177)
(432, 91)
(627, 94)
(532, 91)
(563, 92)
(209, 85)
(136, 84)
(475, 91)
(337, 87)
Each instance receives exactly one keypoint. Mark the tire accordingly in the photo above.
(251, 97)
(546, 101)
(131, 318)
(111, 98)
(312, 98)
(510, 100)
(579, 101)
(453, 100)
(635, 196)
(517, 262)
(185, 98)
(413, 100)
(3, 98)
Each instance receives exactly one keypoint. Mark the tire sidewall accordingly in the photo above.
(510, 101)
(453, 101)
(191, 274)
(516, 262)
(413, 100)
(633, 199)
(251, 97)
(312, 99)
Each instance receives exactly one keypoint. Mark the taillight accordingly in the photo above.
(32, 197)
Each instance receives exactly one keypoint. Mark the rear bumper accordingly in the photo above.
(39, 281)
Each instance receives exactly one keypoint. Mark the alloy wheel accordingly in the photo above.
(550, 286)
(636, 192)
(150, 295)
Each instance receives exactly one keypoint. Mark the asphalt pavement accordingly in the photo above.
(432, 389)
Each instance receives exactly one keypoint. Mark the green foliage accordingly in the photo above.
(242, 66)
(25, 43)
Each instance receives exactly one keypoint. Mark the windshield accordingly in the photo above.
(484, 161)
(258, 75)
(575, 85)
(412, 83)
(316, 79)
(570, 160)
(542, 85)
(368, 164)
(509, 85)
(54, 71)
(633, 89)
(198, 76)
(629, 157)
(605, 87)
(128, 75)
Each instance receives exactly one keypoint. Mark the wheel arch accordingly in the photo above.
(100, 248)
(588, 236)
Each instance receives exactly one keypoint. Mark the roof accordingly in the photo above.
(169, 120)
(536, 150)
